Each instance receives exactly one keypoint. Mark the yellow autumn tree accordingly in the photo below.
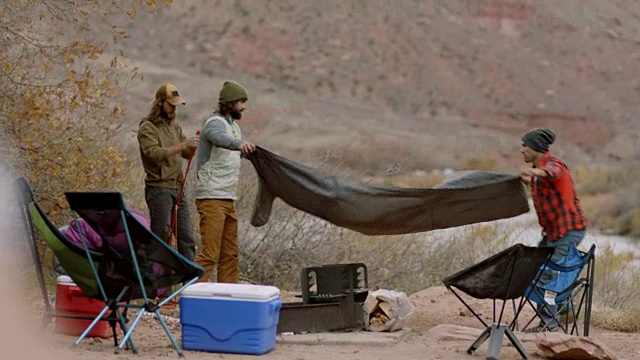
(61, 79)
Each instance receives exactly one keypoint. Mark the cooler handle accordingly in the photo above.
(275, 307)
(73, 292)
(76, 291)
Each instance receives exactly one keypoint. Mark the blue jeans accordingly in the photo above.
(549, 313)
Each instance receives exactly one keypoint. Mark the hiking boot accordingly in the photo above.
(540, 328)
(567, 318)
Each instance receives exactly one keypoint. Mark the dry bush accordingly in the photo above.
(616, 291)
(416, 179)
(630, 223)
(617, 278)
(480, 163)
(612, 209)
(628, 211)
(59, 81)
(592, 181)
(624, 320)
(598, 208)
(617, 213)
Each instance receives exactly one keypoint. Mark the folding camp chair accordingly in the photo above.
(136, 265)
(571, 292)
(74, 258)
(503, 276)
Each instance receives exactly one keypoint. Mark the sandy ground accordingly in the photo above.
(438, 329)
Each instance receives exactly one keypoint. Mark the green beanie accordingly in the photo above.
(232, 91)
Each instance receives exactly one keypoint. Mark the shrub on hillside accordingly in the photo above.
(593, 181)
(617, 278)
(60, 111)
(624, 320)
(611, 208)
(480, 163)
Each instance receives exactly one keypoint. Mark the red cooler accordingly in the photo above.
(71, 300)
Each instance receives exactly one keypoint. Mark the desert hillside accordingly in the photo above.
(434, 82)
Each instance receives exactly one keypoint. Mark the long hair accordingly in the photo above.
(226, 108)
(156, 115)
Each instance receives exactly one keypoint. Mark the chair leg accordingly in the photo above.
(113, 323)
(495, 333)
(122, 318)
(495, 341)
(516, 343)
(481, 339)
(91, 326)
(514, 324)
(169, 335)
(47, 316)
(540, 309)
(127, 335)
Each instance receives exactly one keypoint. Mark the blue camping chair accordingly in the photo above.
(571, 292)
(137, 265)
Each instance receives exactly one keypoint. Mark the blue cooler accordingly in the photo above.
(229, 318)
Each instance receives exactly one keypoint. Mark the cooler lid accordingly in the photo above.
(233, 291)
(64, 279)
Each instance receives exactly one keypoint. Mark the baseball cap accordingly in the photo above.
(170, 93)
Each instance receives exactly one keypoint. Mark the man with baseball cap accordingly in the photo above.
(557, 205)
(218, 167)
(163, 145)
(169, 93)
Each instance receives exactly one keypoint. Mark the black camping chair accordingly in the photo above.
(503, 276)
(571, 293)
(136, 265)
(74, 259)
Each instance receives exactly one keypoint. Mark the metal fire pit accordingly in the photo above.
(332, 298)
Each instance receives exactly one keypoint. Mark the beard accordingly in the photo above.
(167, 116)
(236, 115)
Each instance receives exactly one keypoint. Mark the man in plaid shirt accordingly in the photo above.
(557, 205)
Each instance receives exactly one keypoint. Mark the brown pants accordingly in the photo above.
(219, 234)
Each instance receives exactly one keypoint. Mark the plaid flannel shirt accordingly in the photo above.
(555, 199)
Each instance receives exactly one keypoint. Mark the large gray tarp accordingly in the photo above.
(474, 197)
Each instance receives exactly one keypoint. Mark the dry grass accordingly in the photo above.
(623, 320)
(611, 197)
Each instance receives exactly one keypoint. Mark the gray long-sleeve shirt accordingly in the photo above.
(218, 158)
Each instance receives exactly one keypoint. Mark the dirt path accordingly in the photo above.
(435, 326)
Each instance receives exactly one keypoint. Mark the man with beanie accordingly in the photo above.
(557, 206)
(162, 147)
(218, 171)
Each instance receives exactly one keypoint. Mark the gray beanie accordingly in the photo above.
(539, 139)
